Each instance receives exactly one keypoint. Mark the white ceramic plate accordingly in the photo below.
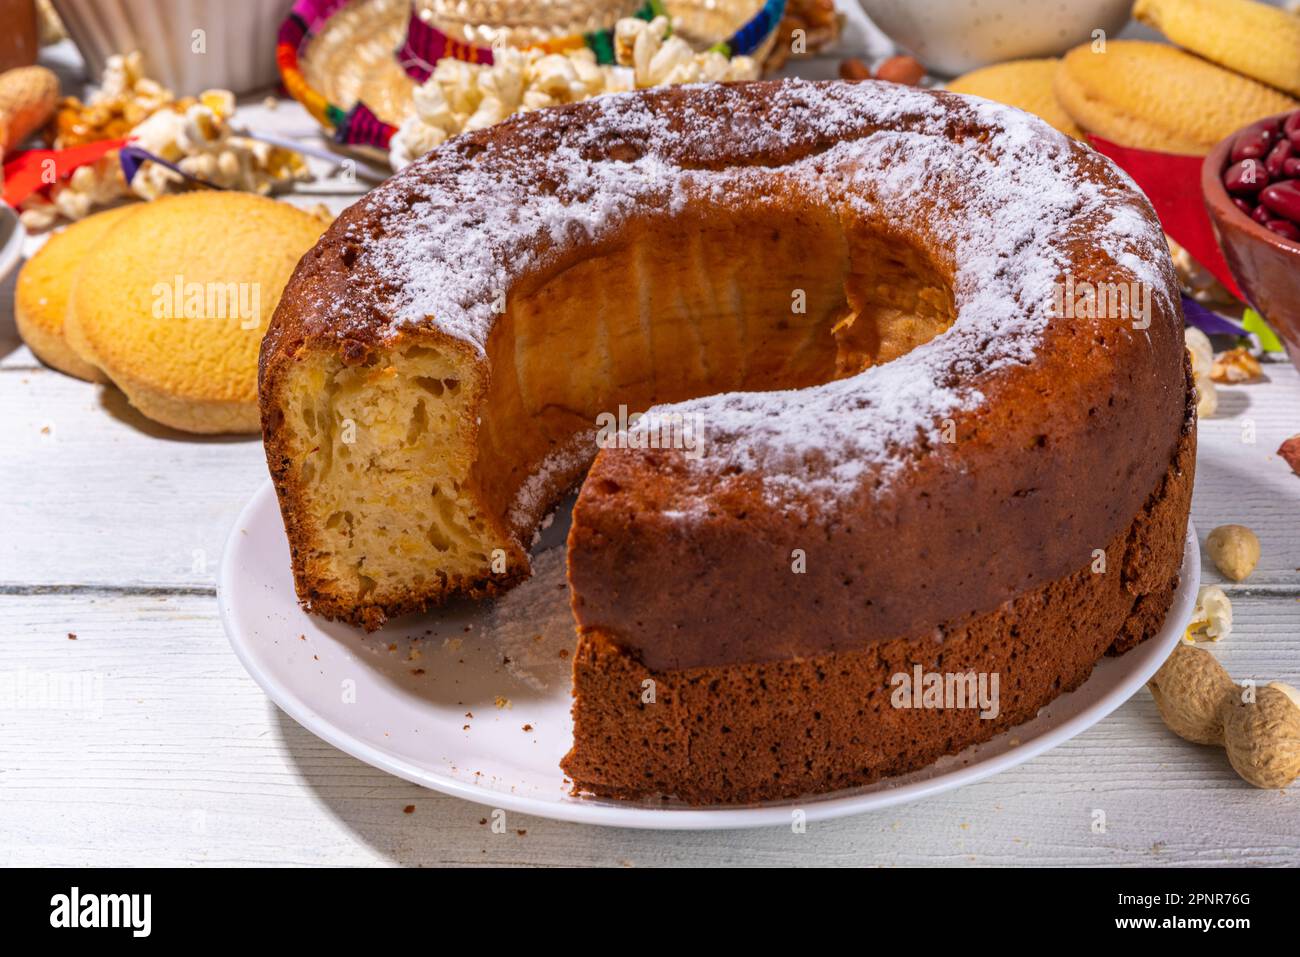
(474, 700)
(12, 235)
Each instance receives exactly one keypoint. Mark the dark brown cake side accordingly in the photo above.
(740, 733)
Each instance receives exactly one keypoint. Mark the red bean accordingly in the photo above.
(1243, 205)
(1261, 215)
(1291, 168)
(1281, 152)
(1291, 127)
(1254, 141)
(1283, 199)
(1280, 226)
(1248, 176)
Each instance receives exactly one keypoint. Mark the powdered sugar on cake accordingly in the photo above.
(461, 224)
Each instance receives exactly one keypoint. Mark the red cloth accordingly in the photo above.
(1173, 184)
(24, 172)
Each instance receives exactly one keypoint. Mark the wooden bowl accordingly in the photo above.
(1265, 265)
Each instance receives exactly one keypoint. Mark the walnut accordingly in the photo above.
(1235, 365)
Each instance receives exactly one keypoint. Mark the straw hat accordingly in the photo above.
(522, 23)
(354, 65)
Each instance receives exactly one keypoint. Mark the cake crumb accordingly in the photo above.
(409, 809)
(503, 702)
(72, 636)
(528, 727)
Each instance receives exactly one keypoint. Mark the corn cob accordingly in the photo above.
(1254, 39)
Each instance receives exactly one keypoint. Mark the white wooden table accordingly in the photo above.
(143, 741)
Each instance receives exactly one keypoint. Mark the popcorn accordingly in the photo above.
(193, 133)
(1202, 354)
(657, 57)
(124, 99)
(88, 188)
(460, 96)
(1212, 619)
(200, 142)
(556, 76)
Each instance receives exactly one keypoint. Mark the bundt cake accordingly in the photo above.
(918, 405)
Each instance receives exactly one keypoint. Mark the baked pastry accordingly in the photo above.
(1255, 39)
(1026, 84)
(44, 284)
(173, 309)
(1153, 96)
(944, 467)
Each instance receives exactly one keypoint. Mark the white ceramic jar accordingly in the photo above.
(188, 45)
(954, 36)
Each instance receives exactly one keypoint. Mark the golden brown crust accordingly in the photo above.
(747, 732)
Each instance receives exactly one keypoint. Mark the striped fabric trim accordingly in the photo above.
(760, 26)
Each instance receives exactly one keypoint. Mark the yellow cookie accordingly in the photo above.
(174, 308)
(1026, 84)
(1256, 39)
(44, 284)
(1156, 97)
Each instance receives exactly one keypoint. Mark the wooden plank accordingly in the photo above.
(1241, 479)
(167, 753)
(96, 494)
(172, 755)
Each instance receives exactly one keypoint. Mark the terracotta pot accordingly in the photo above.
(1265, 265)
(19, 39)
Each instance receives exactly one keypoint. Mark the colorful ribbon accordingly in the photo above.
(30, 171)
